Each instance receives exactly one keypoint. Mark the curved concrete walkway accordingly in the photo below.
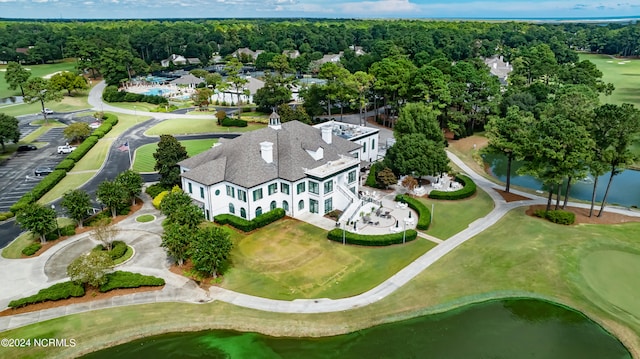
(29, 274)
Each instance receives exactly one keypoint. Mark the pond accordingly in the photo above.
(513, 328)
(624, 188)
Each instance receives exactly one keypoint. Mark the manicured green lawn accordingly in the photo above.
(623, 73)
(451, 217)
(191, 126)
(144, 161)
(145, 218)
(290, 259)
(14, 249)
(36, 71)
(69, 182)
(93, 160)
(135, 106)
(125, 257)
(519, 256)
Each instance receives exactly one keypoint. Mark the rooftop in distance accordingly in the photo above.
(347, 130)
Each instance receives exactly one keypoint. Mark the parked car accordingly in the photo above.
(66, 149)
(47, 111)
(24, 148)
(42, 171)
(95, 125)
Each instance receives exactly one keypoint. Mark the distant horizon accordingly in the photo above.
(529, 10)
(567, 19)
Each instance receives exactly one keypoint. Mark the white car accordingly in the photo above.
(95, 125)
(66, 149)
(47, 111)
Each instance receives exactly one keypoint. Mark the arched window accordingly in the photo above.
(301, 204)
(285, 206)
(232, 209)
(258, 211)
(243, 213)
(273, 205)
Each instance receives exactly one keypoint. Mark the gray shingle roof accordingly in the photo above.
(239, 160)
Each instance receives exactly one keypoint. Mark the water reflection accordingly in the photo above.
(518, 328)
(624, 189)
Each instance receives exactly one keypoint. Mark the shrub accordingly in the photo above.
(110, 118)
(55, 292)
(52, 236)
(247, 226)
(69, 230)
(231, 122)
(234, 221)
(101, 216)
(118, 249)
(66, 165)
(120, 279)
(5, 215)
(39, 190)
(372, 240)
(158, 199)
(31, 249)
(155, 189)
(424, 214)
(112, 94)
(468, 190)
(84, 147)
(372, 177)
(557, 216)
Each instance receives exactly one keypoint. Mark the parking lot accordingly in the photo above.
(17, 174)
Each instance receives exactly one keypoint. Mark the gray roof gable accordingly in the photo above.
(239, 160)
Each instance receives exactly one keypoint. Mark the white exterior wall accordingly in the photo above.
(372, 145)
(219, 204)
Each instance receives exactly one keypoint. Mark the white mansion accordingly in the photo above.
(294, 166)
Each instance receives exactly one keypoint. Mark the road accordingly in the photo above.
(33, 270)
(16, 175)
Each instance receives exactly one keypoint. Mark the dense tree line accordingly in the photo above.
(154, 40)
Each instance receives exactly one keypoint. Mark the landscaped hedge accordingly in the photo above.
(84, 147)
(69, 230)
(468, 190)
(5, 215)
(372, 240)
(247, 226)
(158, 199)
(424, 214)
(111, 94)
(61, 169)
(557, 216)
(66, 165)
(31, 249)
(118, 249)
(232, 122)
(39, 190)
(120, 279)
(154, 190)
(55, 292)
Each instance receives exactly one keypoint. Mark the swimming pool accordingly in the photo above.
(154, 91)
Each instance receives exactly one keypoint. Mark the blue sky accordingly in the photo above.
(317, 8)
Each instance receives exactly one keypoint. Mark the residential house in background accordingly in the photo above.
(292, 54)
(302, 169)
(177, 60)
(498, 67)
(246, 52)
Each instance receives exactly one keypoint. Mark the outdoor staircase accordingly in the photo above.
(354, 205)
